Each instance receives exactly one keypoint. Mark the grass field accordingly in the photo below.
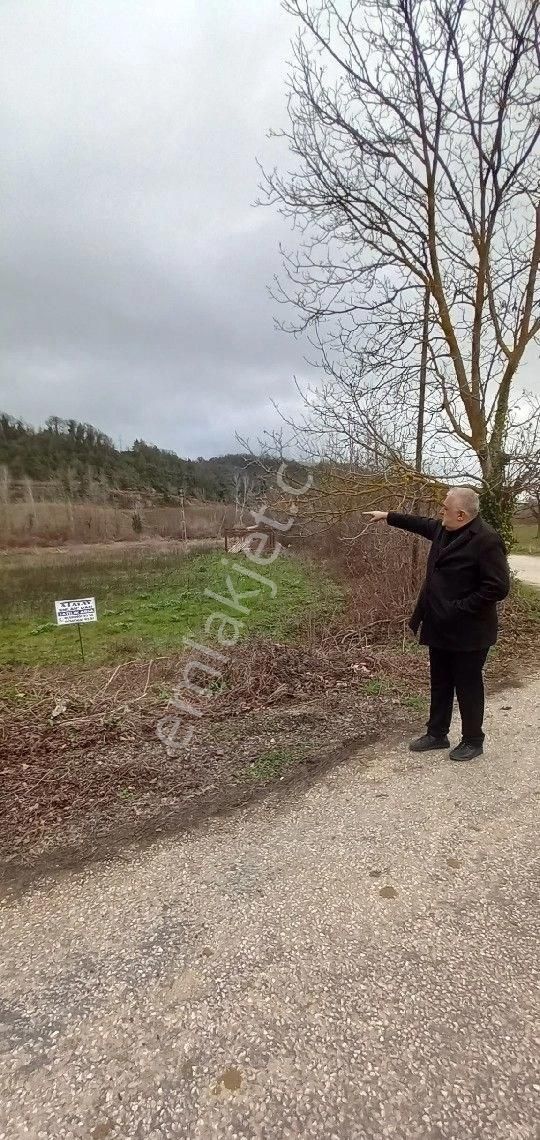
(146, 603)
(527, 541)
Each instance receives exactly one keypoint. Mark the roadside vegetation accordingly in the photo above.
(322, 670)
(526, 538)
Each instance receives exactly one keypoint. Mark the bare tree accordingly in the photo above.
(415, 134)
(523, 455)
(243, 490)
(534, 504)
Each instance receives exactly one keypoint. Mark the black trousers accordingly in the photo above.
(457, 674)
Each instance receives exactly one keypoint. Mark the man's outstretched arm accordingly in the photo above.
(414, 523)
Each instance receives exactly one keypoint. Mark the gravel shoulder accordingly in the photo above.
(357, 960)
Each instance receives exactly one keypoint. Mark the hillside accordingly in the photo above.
(65, 458)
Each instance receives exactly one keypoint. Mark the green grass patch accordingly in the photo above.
(376, 687)
(526, 539)
(528, 599)
(271, 765)
(416, 702)
(147, 604)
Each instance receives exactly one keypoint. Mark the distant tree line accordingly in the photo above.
(85, 463)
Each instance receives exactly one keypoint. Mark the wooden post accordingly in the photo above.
(80, 639)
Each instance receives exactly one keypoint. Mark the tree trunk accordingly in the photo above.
(420, 423)
(497, 499)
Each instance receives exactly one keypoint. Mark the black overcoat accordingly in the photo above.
(465, 578)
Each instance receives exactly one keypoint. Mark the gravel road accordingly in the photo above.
(527, 567)
(356, 962)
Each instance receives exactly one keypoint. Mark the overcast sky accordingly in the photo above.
(135, 266)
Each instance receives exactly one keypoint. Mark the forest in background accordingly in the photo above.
(66, 459)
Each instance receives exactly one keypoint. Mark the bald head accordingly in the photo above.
(460, 507)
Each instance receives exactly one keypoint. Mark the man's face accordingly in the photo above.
(451, 514)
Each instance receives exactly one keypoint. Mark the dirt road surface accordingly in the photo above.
(527, 567)
(360, 961)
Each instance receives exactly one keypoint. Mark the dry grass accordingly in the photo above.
(203, 520)
(49, 523)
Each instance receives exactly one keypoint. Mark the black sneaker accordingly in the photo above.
(429, 743)
(466, 751)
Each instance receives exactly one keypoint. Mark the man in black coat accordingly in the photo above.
(456, 613)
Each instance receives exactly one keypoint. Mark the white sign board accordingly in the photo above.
(71, 611)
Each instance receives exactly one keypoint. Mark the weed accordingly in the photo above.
(218, 685)
(413, 647)
(375, 687)
(41, 628)
(414, 701)
(528, 599)
(270, 766)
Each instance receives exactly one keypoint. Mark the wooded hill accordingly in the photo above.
(79, 461)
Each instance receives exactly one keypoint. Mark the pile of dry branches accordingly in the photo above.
(75, 747)
(44, 714)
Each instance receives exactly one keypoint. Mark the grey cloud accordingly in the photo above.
(135, 267)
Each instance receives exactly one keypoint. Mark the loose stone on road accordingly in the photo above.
(359, 961)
